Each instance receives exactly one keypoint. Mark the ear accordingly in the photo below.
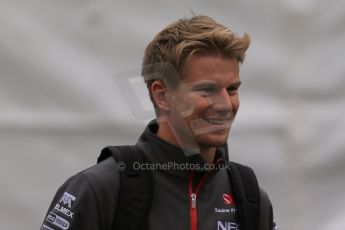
(160, 95)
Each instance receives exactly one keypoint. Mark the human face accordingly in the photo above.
(206, 102)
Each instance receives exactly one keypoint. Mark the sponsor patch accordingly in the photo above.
(57, 221)
(45, 227)
(67, 199)
(226, 225)
(225, 210)
(64, 210)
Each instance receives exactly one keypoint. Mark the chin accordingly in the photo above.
(212, 140)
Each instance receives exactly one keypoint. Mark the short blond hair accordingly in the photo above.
(185, 37)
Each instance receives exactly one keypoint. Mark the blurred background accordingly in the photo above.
(60, 104)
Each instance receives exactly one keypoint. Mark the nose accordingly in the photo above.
(222, 102)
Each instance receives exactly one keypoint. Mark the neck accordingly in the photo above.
(166, 132)
(207, 154)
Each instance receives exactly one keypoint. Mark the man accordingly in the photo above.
(192, 72)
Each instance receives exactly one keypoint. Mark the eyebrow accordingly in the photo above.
(202, 84)
(214, 84)
(235, 84)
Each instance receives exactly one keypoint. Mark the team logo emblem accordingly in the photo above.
(67, 199)
(228, 199)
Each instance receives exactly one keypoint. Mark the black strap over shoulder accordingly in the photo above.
(136, 187)
(266, 212)
(247, 195)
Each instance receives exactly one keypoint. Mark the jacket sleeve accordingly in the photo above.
(86, 201)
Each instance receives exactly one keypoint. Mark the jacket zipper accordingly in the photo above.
(193, 199)
(193, 195)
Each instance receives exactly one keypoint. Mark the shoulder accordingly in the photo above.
(102, 174)
(87, 200)
(102, 178)
(266, 211)
(251, 186)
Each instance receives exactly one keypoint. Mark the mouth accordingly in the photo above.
(216, 121)
(208, 125)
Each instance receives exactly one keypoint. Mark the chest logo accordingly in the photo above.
(228, 199)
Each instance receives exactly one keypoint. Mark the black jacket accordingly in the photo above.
(181, 199)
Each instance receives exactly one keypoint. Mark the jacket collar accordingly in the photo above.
(163, 154)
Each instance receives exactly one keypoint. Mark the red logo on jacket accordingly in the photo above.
(228, 199)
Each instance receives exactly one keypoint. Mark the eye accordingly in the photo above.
(232, 89)
(206, 91)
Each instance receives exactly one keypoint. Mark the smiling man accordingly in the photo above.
(209, 95)
(178, 175)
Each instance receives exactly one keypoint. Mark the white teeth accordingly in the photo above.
(215, 121)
